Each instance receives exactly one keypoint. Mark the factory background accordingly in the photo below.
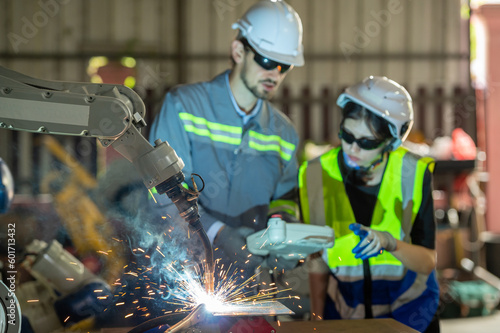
(424, 45)
(151, 45)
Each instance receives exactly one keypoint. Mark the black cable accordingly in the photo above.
(367, 286)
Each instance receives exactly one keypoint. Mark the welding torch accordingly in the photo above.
(186, 202)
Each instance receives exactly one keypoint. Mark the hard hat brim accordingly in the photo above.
(295, 60)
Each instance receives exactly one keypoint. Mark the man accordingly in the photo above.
(228, 132)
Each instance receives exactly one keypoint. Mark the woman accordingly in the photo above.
(377, 197)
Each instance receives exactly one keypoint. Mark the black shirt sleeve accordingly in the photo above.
(423, 231)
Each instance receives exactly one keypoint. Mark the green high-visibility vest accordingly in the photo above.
(324, 200)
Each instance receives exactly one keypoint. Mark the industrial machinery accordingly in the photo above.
(85, 223)
(66, 292)
(6, 187)
(291, 241)
(114, 114)
(10, 314)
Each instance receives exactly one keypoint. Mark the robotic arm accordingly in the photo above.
(111, 113)
(114, 114)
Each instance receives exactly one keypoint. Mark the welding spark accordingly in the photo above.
(229, 296)
(158, 249)
(187, 287)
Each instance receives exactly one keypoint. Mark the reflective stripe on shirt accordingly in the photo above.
(262, 142)
(232, 135)
(216, 132)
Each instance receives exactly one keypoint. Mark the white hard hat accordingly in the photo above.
(274, 30)
(385, 98)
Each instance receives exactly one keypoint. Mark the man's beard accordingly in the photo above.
(254, 89)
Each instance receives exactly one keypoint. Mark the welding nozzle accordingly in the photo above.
(209, 279)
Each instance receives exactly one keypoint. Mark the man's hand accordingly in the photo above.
(232, 241)
(372, 242)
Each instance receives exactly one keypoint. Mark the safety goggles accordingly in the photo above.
(264, 62)
(363, 143)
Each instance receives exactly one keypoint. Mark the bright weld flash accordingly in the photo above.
(230, 295)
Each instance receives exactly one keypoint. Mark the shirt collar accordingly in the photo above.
(244, 116)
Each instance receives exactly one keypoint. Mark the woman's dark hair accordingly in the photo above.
(378, 126)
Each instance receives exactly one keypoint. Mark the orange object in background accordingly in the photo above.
(463, 147)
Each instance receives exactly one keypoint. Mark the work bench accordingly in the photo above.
(325, 326)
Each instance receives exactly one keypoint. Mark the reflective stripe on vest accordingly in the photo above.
(232, 135)
(315, 181)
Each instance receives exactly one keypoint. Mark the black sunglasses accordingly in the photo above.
(264, 62)
(363, 143)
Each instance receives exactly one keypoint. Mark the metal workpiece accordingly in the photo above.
(229, 318)
(179, 322)
(197, 316)
(268, 308)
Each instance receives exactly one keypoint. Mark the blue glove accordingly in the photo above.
(372, 242)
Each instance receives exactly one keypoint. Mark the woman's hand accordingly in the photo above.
(372, 242)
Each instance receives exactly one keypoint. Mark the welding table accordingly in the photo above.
(330, 326)
(339, 326)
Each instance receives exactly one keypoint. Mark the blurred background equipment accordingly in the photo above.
(6, 187)
(10, 313)
(62, 293)
(88, 228)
